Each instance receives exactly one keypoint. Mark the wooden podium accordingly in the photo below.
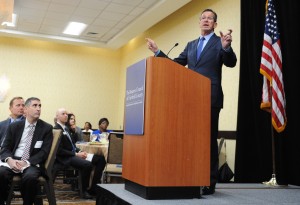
(172, 158)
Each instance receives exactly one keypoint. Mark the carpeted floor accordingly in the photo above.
(64, 196)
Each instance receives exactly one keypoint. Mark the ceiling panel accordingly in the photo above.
(110, 23)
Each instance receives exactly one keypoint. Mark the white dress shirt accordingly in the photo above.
(21, 147)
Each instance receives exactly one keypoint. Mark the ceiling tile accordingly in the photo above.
(110, 23)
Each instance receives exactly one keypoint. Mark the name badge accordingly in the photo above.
(38, 144)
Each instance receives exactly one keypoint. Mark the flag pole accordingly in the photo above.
(271, 69)
(272, 181)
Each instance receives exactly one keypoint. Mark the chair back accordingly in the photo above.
(86, 136)
(115, 148)
(52, 154)
(113, 166)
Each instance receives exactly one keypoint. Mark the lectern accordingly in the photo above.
(170, 157)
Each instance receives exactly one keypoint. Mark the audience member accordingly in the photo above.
(24, 152)
(75, 131)
(16, 107)
(87, 127)
(69, 155)
(103, 124)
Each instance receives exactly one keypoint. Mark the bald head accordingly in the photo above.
(62, 116)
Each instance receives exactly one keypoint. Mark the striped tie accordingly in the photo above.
(26, 153)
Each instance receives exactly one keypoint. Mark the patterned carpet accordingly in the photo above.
(64, 196)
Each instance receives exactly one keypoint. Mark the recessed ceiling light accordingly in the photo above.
(74, 28)
(12, 23)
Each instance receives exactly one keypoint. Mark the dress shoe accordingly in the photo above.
(92, 192)
(86, 195)
(208, 190)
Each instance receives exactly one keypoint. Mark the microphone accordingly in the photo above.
(176, 44)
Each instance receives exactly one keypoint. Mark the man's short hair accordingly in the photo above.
(28, 101)
(210, 10)
(11, 102)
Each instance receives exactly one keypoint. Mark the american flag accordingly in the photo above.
(273, 97)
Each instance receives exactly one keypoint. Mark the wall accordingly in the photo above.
(84, 80)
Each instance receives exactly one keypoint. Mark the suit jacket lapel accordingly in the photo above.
(212, 41)
(194, 46)
(66, 133)
(18, 135)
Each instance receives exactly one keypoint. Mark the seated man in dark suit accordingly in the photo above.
(24, 152)
(16, 107)
(69, 155)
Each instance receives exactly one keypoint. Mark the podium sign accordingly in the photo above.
(135, 98)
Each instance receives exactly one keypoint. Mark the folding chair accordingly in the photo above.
(113, 166)
(86, 136)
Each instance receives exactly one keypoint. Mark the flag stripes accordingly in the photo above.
(273, 96)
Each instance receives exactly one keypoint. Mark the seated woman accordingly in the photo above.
(101, 135)
(103, 124)
(87, 127)
(73, 128)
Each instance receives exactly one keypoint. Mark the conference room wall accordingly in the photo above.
(84, 80)
(183, 26)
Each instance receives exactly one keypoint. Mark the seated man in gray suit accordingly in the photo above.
(24, 152)
(16, 107)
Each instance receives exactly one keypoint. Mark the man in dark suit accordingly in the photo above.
(206, 55)
(24, 152)
(16, 107)
(69, 155)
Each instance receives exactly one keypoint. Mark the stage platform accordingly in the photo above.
(226, 194)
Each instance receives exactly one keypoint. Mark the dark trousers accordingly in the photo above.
(29, 185)
(99, 162)
(214, 157)
(83, 165)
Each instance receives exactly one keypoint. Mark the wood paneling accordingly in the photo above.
(175, 147)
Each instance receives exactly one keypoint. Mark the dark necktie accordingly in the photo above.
(69, 136)
(29, 136)
(200, 47)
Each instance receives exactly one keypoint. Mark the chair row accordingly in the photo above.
(113, 169)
